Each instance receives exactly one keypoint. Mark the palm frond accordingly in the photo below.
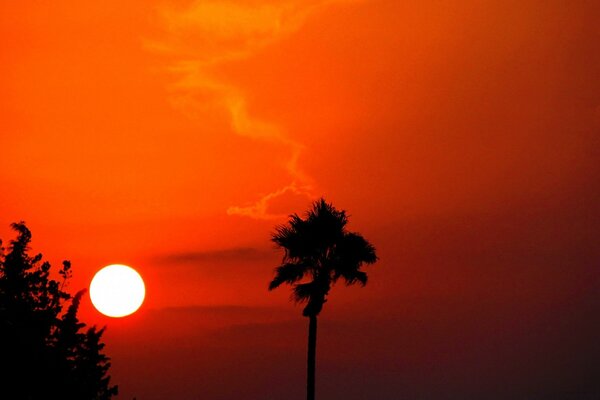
(356, 247)
(326, 213)
(324, 226)
(349, 255)
(288, 273)
(302, 292)
(292, 238)
(351, 277)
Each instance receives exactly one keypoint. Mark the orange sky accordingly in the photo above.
(462, 137)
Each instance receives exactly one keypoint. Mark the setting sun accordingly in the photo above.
(117, 290)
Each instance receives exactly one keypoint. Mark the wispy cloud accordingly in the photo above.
(236, 254)
(207, 34)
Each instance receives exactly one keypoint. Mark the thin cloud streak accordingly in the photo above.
(237, 254)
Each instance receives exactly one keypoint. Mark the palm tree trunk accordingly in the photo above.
(312, 350)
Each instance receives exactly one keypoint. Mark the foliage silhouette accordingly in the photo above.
(45, 353)
(318, 252)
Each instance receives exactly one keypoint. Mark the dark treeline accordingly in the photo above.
(45, 351)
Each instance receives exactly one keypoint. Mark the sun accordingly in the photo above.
(117, 290)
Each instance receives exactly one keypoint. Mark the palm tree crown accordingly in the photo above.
(319, 251)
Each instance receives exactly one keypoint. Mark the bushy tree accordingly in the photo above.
(45, 352)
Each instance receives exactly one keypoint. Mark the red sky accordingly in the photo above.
(462, 138)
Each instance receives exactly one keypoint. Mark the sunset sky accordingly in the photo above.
(462, 137)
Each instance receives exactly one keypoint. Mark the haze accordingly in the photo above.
(462, 138)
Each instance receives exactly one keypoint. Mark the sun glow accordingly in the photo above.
(117, 290)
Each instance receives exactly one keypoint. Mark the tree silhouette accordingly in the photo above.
(318, 252)
(45, 353)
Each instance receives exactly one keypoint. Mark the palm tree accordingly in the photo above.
(319, 251)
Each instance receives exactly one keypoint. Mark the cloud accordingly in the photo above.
(236, 254)
(207, 34)
(212, 32)
(269, 206)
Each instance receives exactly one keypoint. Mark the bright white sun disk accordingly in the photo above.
(117, 290)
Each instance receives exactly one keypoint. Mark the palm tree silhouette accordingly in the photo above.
(319, 251)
